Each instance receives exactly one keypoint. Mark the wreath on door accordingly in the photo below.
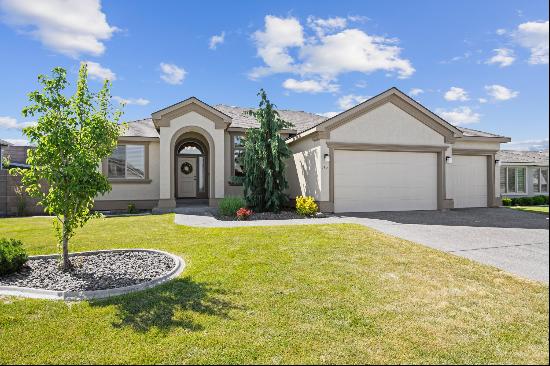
(186, 168)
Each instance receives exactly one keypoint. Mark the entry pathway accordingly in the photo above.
(511, 240)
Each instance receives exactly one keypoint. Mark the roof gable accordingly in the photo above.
(402, 101)
(163, 117)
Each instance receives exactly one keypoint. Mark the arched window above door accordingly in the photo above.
(190, 148)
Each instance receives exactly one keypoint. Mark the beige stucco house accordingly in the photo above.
(388, 153)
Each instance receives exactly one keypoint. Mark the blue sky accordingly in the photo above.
(482, 65)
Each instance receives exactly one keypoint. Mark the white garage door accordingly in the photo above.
(468, 181)
(366, 181)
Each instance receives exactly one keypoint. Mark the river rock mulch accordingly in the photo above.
(283, 215)
(98, 271)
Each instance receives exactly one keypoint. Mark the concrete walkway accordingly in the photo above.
(511, 240)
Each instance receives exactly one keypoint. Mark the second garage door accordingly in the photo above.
(468, 181)
(366, 181)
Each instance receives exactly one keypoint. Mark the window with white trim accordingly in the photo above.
(127, 162)
(540, 180)
(513, 180)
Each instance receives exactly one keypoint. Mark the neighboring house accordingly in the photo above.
(13, 200)
(523, 173)
(387, 153)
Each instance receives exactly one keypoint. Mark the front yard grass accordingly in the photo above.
(302, 294)
(536, 209)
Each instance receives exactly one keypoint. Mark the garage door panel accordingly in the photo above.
(366, 181)
(468, 181)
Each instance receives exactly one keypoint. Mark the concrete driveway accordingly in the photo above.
(511, 240)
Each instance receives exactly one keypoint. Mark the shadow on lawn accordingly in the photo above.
(175, 304)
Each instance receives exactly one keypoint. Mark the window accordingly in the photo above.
(238, 153)
(190, 148)
(127, 162)
(513, 180)
(540, 180)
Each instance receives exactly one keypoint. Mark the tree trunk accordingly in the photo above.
(66, 266)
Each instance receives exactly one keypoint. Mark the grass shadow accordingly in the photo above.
(175, 304)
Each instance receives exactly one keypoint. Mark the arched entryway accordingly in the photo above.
(191, 167)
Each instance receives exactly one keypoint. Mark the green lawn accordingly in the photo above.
(303, 294)
(536, 209)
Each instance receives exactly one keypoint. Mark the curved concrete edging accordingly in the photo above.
(95, 294)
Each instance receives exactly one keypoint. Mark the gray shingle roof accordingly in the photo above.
(141, 128)
(301, 120)
(516, 156)
(468, 132)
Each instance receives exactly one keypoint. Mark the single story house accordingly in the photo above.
(388, 153)
(523, 173)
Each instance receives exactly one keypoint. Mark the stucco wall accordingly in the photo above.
(307, 170)
(387, 124)
(192, 122)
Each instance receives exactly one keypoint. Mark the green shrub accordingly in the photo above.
(525, 201)
(540, 200)
(306, 206)
(132, 208)
(515, 201)
(507, 201)
(12, 255)
(229, 205)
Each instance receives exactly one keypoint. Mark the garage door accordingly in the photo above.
(468, 181)
(366, 181)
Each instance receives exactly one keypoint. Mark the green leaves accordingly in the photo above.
(72, 136)
(264, 159)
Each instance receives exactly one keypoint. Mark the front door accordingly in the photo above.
(187, 177)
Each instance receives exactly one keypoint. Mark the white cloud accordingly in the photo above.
(172, 74)
(529, 145)
(310, 86)
(216, 40)
(272, 45)
(503, 57)
(331, 51)
(416, 91)
(329, 114)
(459, 116)
(353, 50)
(329, 25)
(69, 27)
(482, 100)
(12, 123)
(98, 72)
(534, 36)
(499, 92)
(130, 101)
(500, 31)
(351, 100)
(456, 94)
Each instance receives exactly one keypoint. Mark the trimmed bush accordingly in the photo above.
(507, 201)
(12, 256)
(525, 201)
(306, 206)
(540, 200)
(229, 205)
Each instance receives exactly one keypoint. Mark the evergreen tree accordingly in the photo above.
(265, 153)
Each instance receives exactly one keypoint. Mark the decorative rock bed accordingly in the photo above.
(95, 274)
(283, 215)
